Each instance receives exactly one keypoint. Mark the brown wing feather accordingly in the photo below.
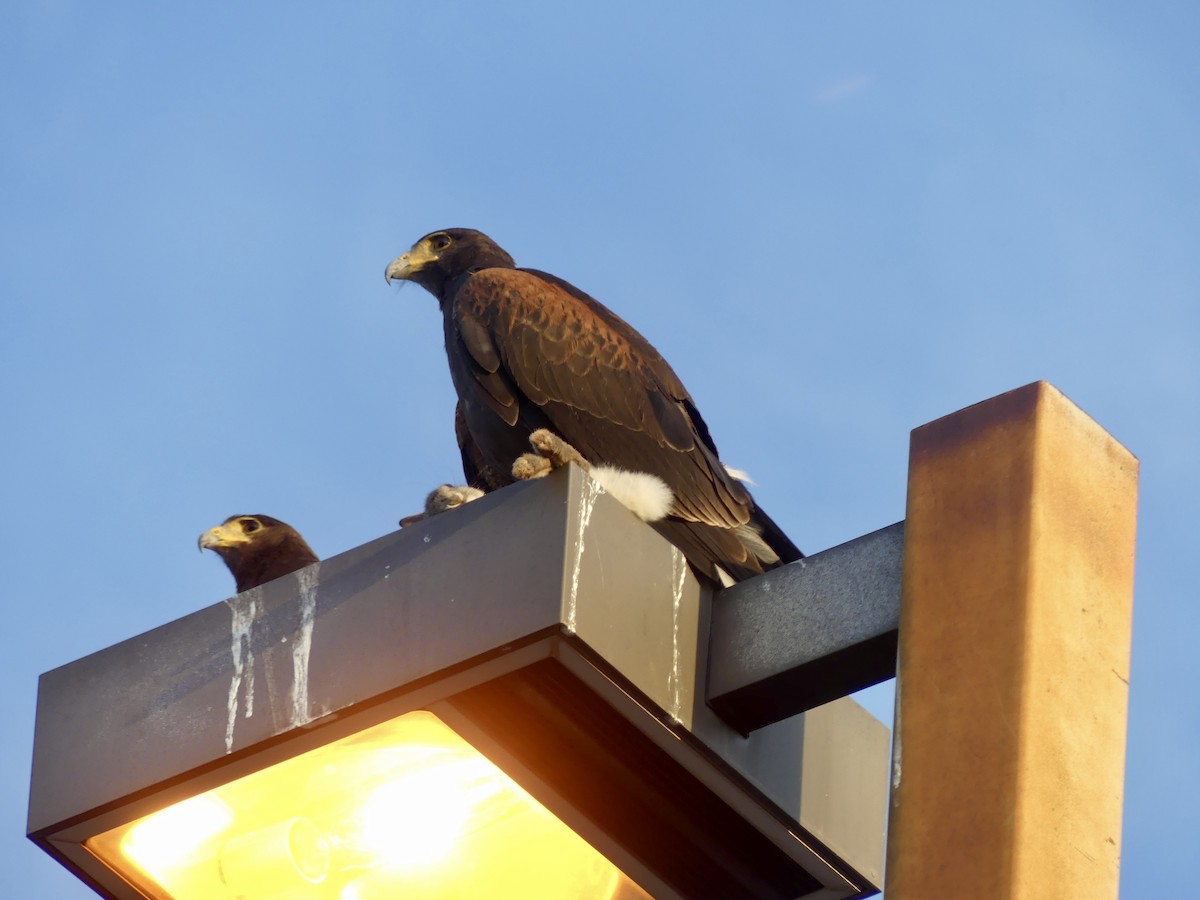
(590, 378)
(477, 353)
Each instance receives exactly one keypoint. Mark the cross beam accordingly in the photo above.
(806, 633)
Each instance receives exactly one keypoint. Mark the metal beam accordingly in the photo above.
(807, 633)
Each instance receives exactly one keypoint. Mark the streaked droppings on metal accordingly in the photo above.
(587, 502)
(679, 571)
(244, 610)
(896, 754)
(302, 646)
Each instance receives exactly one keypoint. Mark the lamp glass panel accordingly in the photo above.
(406, 809)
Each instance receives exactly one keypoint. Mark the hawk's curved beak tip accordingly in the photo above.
(397, 268)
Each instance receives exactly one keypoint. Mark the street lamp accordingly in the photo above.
(505, 700)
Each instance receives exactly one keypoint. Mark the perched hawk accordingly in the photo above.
(257, 549)
(529, 351)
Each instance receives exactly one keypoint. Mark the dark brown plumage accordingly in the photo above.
(475, 467)
(527, 350)
(257, 549)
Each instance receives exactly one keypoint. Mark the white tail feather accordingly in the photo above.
(646, 496)
(739, 474)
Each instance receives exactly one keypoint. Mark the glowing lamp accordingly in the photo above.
(405, 808)
(504, 701)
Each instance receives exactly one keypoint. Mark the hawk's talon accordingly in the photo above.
(442, 498)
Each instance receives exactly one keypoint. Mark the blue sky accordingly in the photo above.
(838, 220)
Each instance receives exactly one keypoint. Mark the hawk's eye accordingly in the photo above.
(249, 525)
(440, 241)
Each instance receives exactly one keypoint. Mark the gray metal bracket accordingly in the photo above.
(806, 633)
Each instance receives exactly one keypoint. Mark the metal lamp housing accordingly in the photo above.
(546, 625)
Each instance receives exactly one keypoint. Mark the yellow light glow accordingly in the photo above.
(404, 809)
(166, 838)
(442, 793)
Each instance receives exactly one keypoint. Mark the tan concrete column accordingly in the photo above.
(1014, 655)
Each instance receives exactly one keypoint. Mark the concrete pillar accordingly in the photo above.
(1015, 617)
